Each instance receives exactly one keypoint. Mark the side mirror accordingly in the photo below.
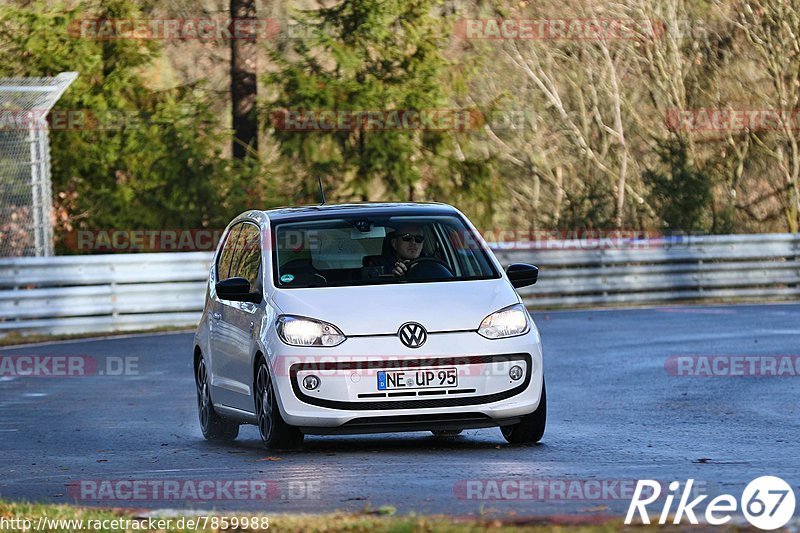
(522, 275)
(237, 290)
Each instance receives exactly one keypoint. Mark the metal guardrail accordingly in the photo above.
(719, 267)
(76, 294)
(73, 294)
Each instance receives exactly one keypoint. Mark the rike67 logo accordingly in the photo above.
(767, 502)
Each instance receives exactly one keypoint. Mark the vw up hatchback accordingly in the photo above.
(365, 318)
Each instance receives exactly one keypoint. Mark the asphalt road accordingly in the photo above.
(616, 414)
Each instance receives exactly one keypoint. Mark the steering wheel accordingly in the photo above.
(429, 267)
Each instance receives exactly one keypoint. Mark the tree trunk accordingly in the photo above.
(559, 196)
(243, 79)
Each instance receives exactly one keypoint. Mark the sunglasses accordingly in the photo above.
(419, 239)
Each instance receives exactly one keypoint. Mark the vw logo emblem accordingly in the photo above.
(412, 334)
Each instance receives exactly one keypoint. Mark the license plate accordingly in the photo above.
(423, 378)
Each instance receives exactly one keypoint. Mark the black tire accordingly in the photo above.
(446, 433)
(530, 429)
(276, 434)
(214, 427)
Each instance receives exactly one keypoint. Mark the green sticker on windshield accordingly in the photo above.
(287, 278)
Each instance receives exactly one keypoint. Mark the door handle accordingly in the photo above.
(216, 316)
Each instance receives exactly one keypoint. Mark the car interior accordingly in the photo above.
(336, 255)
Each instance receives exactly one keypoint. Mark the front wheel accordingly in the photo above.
(530, 429)
(275, 432)
(214, 427)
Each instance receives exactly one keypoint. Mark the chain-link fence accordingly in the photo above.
(26, 211)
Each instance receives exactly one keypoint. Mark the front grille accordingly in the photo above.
(411, 403)
(432, 392)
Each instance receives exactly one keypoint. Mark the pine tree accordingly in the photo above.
(154, 159)
(363, 55)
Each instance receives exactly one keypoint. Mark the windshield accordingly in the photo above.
(378, 250)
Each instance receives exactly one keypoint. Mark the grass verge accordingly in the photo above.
(13, 516)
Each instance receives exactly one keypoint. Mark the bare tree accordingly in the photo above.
(594, 118)
(772, 29)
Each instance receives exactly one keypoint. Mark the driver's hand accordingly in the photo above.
(400, 268)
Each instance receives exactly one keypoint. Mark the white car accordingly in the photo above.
(365, 318)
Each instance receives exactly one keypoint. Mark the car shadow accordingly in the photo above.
(410, 443)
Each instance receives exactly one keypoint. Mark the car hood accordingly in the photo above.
(382, 309)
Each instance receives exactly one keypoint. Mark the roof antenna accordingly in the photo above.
(321, 190)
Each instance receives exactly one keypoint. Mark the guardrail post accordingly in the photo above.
(700, 277)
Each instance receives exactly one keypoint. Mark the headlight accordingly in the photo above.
(297, 331)
(508, 322)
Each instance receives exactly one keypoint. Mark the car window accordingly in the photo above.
(469, 262)
(360, 251)
(335, 248)
(247, 255)
(226, 255)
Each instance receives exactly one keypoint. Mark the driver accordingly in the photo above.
(407, 243)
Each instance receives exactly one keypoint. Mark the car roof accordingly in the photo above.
(366, 208)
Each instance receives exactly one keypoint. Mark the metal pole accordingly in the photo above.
(47, 193)
(36, 184)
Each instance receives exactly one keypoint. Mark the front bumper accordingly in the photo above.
(348, 399)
